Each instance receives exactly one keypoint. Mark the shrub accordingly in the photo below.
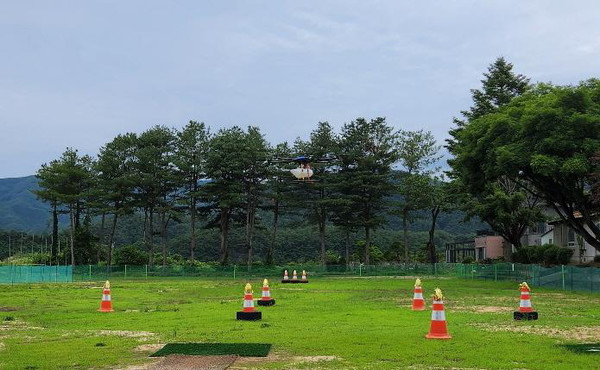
(130, 255)
(597, 258)
(551, 254)
(564, 256)
(468, 260)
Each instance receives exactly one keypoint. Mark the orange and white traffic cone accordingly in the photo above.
(286, 278)
(418, 301)
(248, 313)
(266, 299)
(304, 279)
(438, 329)
(526, 311)
(105, 303)
(295, 277)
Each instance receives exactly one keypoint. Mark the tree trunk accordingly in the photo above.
(347, 248)
(322, 238)
(72, 216)
(111, 240)
(54, 251)
(405, 228)
(249, 227)
(224, 235)
(431, 245)
(163, 238)
(102, 236)
(193, 227)
(150, 231)
(367, 245)
(271, 251)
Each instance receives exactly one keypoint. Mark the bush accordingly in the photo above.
(467, 260)
(130, 255)
(551, 254)
(597, 258)
(564, 256)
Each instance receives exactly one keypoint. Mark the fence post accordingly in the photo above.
(146, 271)
(125, 271)
(90, 271)
(234, 267)
(360, 269)
(495, 272)
(562, 269)
(591, 279)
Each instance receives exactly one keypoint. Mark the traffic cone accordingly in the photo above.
(295, 277)
(438, 329)
(304, 279)
(105, 303)
(248, 313)
(266, 299)
(525, 312)
(286, 278)
(418, 301)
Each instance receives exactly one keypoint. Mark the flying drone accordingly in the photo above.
(304, 171)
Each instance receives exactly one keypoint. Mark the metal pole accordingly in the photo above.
(125, 271)
(234, 266)
(360, 269)
(90, 271)
(146, 271)
(562, 269)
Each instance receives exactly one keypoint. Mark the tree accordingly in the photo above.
(499, 86)
(68, 181)
(116, 181)
(223, 194)
(192, 149)
(49, 176)
(254, 157)
(366, 155)
(154, 173)
(417, 152)
(507, 208)
(323, 143)
(278, 192)
(545, 141)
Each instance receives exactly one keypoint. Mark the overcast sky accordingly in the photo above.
(76, 73)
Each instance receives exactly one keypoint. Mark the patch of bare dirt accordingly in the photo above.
(140, 335)
(181, 362)
(2, 346)
(17, 325)
(483, 309)
(242, 362)
(7, 309)
(149, 347)
(579, 333)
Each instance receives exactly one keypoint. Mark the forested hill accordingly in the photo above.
(19, 208)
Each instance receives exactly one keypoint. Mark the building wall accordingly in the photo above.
(489, 247)
(565, 237)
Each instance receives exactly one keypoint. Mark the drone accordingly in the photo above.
(304, 172)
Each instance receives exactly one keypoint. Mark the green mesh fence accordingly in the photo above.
(16, 274)
(557, 277)
(92, 272)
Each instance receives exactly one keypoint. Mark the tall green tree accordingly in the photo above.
(418, 153)
(192, 151)
(154, 173)
(254, 156)
(116, 181)
(508, 209)
(545, 141)
(223, 194)
(323, 143)
(50, 177)
(366, 155)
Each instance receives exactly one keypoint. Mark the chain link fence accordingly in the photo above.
(557, 277)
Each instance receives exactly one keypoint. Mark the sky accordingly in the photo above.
(77, 73)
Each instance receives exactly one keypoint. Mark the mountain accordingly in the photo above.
(19, 208)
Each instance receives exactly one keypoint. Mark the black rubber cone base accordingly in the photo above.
(249, 316)
(525, 315)
(270, 302)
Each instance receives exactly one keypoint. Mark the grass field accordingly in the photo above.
(361, 323)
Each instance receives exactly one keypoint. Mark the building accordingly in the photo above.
(564, 236)
(485, 245)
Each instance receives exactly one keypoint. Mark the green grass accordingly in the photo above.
(366, 323)
(215, 349)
